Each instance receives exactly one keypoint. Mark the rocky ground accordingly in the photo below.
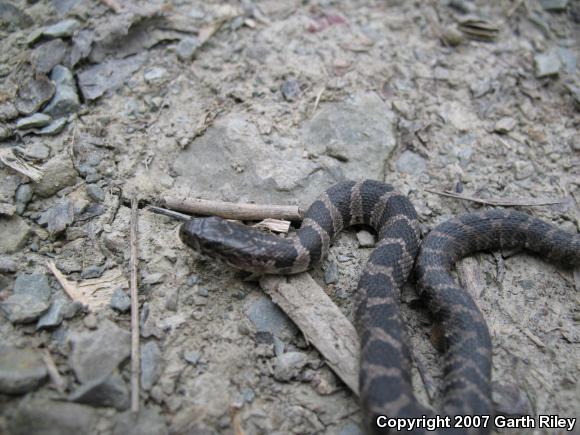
(266, 101)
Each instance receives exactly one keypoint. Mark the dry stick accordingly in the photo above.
(502, 202)
(135, 362)
(69, 288)
(230, 210)
(55, 376)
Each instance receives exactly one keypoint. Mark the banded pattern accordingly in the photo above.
(385, 379)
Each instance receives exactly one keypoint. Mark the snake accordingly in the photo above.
(385, 358)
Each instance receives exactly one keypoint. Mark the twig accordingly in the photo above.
(169, 213)
(10, 159)
(230, 210)
(135, 360)
(69, 288)
(317, 101)
(55, 376)
(502, 202)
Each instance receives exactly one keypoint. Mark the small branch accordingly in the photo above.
(135, 360)
(69, 288)
(318, 97)
(169, 213)
(55, 376)
(501, 202)
(230, 210)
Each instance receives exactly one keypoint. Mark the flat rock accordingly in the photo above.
(8, 111)
(13, 18)
(147, 421)
(151, 367)
(35, 284)
(54, 316)
(21, 370)
(98, 353)
(30, 299)
(358, 132)
(55, 127)
(95, 192)
(47, 55)
(7, 264)
(120, 301)
(47, 417)
(58, 217)
(33, 93)
(62, 29)
(59, 173)
(65, 100)
(554, 5)
(505, 125)
(289, 365)
(331, 273)
(547, 64)
(14, 232)
(268, 317)
(108, 391)
(33, 121)
(186, 48)
(411, 163)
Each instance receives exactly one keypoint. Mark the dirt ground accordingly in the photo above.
(267, 102)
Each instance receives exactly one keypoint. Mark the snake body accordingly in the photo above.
(385, 369)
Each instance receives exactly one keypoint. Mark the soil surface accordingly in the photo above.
(267, 102)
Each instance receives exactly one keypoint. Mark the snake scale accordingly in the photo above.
(385, 369)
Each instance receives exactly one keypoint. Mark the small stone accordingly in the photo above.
(547, 64)
(266, 316)
(192, 280)
(93, 271)
(289, 365)
(7, 264)
(109, 391)
(249, 395)
(54, 316)
(90, 321)
(120, 301)
(331, 273)
(8, 111)
(279, 346)
(554, 5)
(30, 299)
(453, 36)
(203, 292)
(14, 232)
(290, 89)
(55, 127)
(23, 197)
(5, 132)
(365, 239)
(47, 55)
(186, 48)
(33, 121)
(505, 125)
(523, 170)
(151, 367)
(58, 173)
(37, 151)
(72, 309)
(21, 370)
(411, 163)
(192, 357)
(62, 29)
(66, 98)
(147, 421)
(33, 93)
(154, 74)
(95, 192)
(57, 218)
(96, 354)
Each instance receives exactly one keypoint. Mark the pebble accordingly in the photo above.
(453, 36)
(151, 366)
(95, 192)
(266, 316)
(547, 64)
(290, 89)
(23, 197)
(93, 271)
(57, 218)
(172, 299)
(98, 353)
(33, 93)
(72, 309)
(289, 365)
(411, 163)
(49, 54)
(365, 239)
(21, 370)
(30, 299)
(14, 232)
(505, 125)
(523, 170)
(192, 357)
(154, 74)
(33, 121)
(62, 29)
(120, 301)
(147, 421)
(54, 316)
(90, 321)
(55, 127)
(331, 273)
(66, 99)
(8, 111)
(59, 173)
(203, 292)
(37, 151)
(186, 48)
(5, 132)
(109, 391)
(7, 264)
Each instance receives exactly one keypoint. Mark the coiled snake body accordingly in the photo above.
(385, 374)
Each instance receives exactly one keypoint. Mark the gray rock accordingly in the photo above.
(547, 64)
(147, 421)
(21, 370)
(107, 391)
(5, 132)
(120, 301)
(554, 5)
(12, 18)
(192, 357)
(365, 239)
(58, 217)
(331, 273)
(82, 46)
(33, 93)
(151, 368)
(505, 125)
(66, 99)
(58, 173)
(72, 309)
(289, 365)
(172, 299)
(290, 89)
(37, 151)
(54, 316)
(46, 417)
(23, 197)
(154, 74)
(358, 132)
(7, 264)
(203, 292)
(62, 29)
(95, 192)
(14, 232)
(33, 121)
(55, 127)
(47, 55)
(266, 316)
(30, 299)
(186, 48)
(33, 284)
(95, 80)
(98, 353)
(93, 271)
(523, 169)
(411, 163)
(8, 111)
